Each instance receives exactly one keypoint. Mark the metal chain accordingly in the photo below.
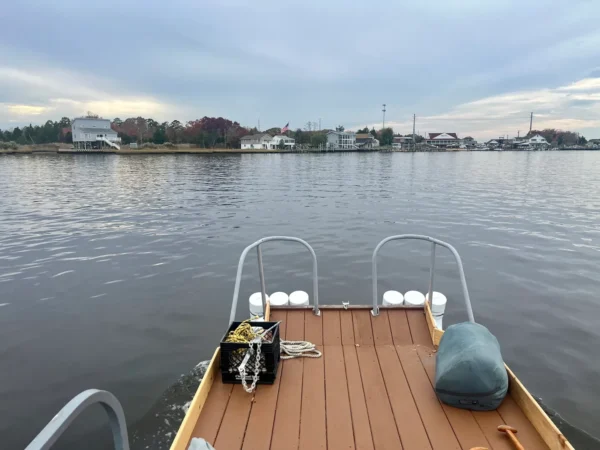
(242, 368)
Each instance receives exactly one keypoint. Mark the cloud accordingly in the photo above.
(574, 107)
(298, 61)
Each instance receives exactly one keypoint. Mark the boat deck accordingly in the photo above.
(371, 389)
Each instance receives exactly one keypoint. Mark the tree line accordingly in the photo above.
(210, 132)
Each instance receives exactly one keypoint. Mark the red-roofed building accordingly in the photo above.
(444, 140)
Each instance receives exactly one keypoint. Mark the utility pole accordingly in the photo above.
(259, 125)
(319, 124)
(530, 122)
(518, 134)
(414, 142)
(383, 127)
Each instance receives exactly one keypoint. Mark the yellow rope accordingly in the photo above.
(243, 334)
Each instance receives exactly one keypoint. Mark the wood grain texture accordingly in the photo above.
(418, 328)
(209, 421)
(363, 331)
(313, 433)
(408, 421)
(286, 430)
(233, 426)
(347, 327)
(383, 426)
(340, 433)
(399, 326)
(465, 427)
(361, 421)
(382, 333)
(551, 435)
(439, 430)
(331, 328)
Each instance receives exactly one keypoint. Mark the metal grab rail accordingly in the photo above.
(57, 426)
(434, 242)
(263, 289)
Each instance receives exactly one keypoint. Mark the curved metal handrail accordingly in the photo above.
(257, 244)
(434, 242)
(57, 426)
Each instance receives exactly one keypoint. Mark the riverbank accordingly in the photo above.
(187, 149)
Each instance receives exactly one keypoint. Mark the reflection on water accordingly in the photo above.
(116, 272)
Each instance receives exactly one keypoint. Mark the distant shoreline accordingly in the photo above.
(55, 149)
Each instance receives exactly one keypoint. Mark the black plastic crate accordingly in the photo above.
(232, 355)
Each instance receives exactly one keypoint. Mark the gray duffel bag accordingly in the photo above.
(469, 370)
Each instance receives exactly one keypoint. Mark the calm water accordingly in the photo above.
(116, 272)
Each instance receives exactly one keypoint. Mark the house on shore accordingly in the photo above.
(256, 141)
(341, 140)
(444, 140)
(402, 142)
(93, 133)
(366, 140)
(288, 142)
(537, 142)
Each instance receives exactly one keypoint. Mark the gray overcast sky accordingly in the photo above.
(468, 66)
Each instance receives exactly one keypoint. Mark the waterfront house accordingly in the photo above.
(289, 142)
(256, 141)
(341, 140)
(93, 133)
(444, 140)
(538, 142)
(366, 140)
(402, 142)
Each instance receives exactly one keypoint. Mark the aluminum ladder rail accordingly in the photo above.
(57, 426)
(434, 242)
(261, 274)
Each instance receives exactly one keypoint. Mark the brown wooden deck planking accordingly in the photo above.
(262, 415)
(440, 432)
(418, 327)
(286, 430)
(313, 424)
(368, 402)
(399, 325)
(340, 433)
(515, 417)
(381, 417)
(363, 331)
(233, 426)
(331, 327)
(465, 427)
(361, 422)
(210, 419)
(408, 421)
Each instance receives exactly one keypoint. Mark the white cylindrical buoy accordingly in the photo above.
(392, 298)
(298, 298)
(279, 299)
(414, 298)
(438, 306)
(256, 306)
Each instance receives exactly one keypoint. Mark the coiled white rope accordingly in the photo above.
(298, 349)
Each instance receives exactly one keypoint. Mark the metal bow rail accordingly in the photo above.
(261, 273)
(434, 242)
(57, 426)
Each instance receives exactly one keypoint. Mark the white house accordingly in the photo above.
(260, 140)
(93, 132)
(444, 140)
(341, 140)
(538, 141)
(287, 141)
(535, 142)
